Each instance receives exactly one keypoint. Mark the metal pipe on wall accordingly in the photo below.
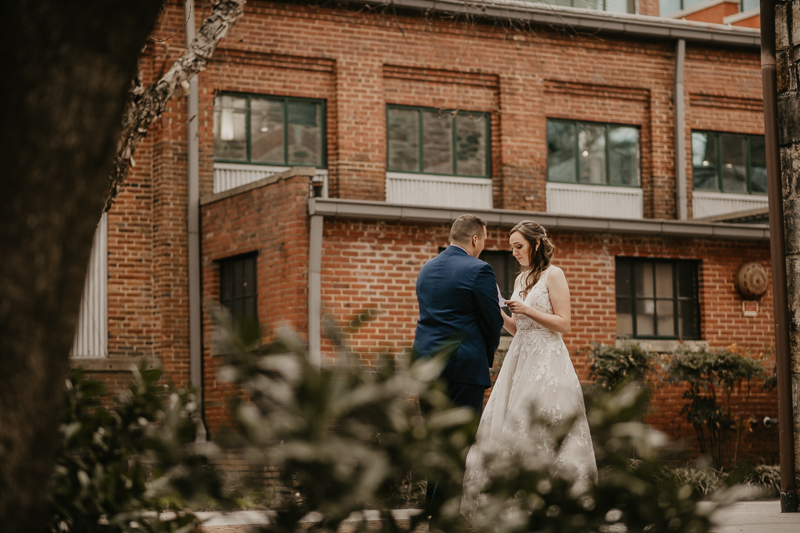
(681, 200)
(778, 259)
(193, 227)
(315, 289)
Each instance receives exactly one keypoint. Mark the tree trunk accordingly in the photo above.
(68, 66)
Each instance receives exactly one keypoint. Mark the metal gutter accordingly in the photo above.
(681, 200)
(582, 20)
(789, 503)
(193, 227)
(366, 210)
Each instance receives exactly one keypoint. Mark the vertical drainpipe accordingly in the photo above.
(315, 287)
(778, 259)
(681, 200)
(193, 223)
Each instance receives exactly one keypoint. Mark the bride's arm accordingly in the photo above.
(559, 298)
(510, 324)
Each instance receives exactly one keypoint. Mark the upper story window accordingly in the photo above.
(668, 7)
(437, 141)
(269, 130)
(657, 298)
(592, 153)
(729, 162)
(237, 282)
(613, 6)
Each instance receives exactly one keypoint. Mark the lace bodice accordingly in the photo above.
(538, 298)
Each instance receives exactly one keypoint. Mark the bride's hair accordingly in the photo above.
(538, 260)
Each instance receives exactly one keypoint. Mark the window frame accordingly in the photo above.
(576, 146)
(285, 101)
(441, 110)
(717, 135)
(223, 264)
(676, 298)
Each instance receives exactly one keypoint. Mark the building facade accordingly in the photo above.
(339, 141)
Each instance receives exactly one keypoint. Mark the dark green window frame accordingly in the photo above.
(420, 169)
(752, 176)
(238, 290)
(612, 6)
(285, 100)
(576, 150)
(632, 300)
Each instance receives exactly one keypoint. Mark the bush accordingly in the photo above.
(717, 418)
(115, 466)
(612, 367)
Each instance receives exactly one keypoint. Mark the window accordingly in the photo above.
(668, 7)
(267, 130)
(657, 298)
(505, 269)
(592, 153)
(728, 162)
(238, 291)
(437, 141)
(747, 5)
(613, 6)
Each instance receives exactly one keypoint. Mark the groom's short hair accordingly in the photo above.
(465, 227)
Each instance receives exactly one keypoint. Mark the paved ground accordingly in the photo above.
(742, 517)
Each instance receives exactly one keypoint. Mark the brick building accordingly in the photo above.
(339, 140)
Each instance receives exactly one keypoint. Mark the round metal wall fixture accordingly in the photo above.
(752, 281)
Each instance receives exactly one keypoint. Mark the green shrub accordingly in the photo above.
(713, 376)
(116, 465)
(612, 367)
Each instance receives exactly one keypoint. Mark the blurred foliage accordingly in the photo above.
(340, 437)
(116, 465)
(716, 414)
(613, 367)
(765, 480)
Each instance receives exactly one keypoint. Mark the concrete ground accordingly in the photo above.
(742, 517)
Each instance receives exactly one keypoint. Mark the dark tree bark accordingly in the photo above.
(67, 69)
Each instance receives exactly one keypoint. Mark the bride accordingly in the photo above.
(537, 378)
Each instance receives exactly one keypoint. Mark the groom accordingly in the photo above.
(459, 315)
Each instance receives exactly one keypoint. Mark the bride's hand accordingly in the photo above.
(518, 308)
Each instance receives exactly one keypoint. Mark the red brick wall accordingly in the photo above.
(375, 265)
(271, 221)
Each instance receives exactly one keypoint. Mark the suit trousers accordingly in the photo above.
(462, 395)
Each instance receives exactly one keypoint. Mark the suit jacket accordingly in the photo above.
(458, 315)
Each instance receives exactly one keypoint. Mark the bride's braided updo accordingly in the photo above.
(539, 258)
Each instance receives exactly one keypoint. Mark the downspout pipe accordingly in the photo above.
(778, 258)
(193, 226)
(315, 289)
(681, 200)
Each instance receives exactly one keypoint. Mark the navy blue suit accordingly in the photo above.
(458, 315)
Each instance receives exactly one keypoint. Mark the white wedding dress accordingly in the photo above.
(537, 378)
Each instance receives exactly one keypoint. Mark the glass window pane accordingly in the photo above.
(437, 142)
(663, 280)
(471, 144)
(560, 151)
(230, 128)
(704, 161)
(266, 131)
(624, 317)
(620, 6)
(623, 278)
(758, 165)
(645, 314)
(588, 4)
(688, 323)
(668, 7)
(304, 121)
(592, 153)
(644, 279)
(249, 275)
(666, 318)
(623, 155)
(734, 163)
(687, 279)
(747, 5)
(403, 139)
